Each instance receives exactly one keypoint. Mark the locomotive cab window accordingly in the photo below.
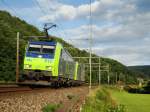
(48, 49)
(34, 48)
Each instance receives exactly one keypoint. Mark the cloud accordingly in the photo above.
(127, 41)
(126, 54)
(101, 10)
(70, 12)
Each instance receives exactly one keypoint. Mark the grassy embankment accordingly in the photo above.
(132, 102)
(111, 99)
(100, 100)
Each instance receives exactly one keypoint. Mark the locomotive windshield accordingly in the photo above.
(43, 49)
(48, 49)
(34, 48)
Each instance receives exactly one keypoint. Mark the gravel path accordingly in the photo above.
(34, 101)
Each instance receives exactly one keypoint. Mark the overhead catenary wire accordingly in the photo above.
(11, 8)
(37, 3)
(48, 2)
(60, 26)
(47, 12)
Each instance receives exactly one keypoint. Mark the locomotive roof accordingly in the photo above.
(51, 43)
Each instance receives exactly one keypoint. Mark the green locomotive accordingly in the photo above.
(48, 63)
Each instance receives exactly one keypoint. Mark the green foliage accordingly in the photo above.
(147, 88)
(140, 90)
(102, 102)
(10, 25)
(119, 108)
(143, 70)
(50, 108)
(132, 102)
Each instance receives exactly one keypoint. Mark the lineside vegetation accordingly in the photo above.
(133, 102)
(51, 107)
(100, 100)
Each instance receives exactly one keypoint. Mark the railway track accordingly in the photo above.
(16, 88)
(7, 89)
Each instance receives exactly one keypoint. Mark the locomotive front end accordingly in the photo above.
(39, 60)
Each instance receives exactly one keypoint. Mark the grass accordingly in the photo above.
(100, 100)
(132, 102)
(51, 107)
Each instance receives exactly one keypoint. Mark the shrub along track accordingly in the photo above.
(33, 100)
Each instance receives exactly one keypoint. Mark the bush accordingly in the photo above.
(51, 108)
(127, 88)
(142, 90)
(119, 108)
(147, 88)
(102, 102)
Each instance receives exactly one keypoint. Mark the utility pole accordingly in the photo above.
(119, 77)
(17, 58)
(108, 77)
(99, 72)
(116, 78)
(90, 60)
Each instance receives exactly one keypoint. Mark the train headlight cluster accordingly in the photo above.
(27, 66)
(48, 67)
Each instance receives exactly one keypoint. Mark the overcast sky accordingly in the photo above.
(121, 28)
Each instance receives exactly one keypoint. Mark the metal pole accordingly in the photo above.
(108, 77)
(17, 58)
(116, 78)
(119, 77)
(90, 46)
(99, 72)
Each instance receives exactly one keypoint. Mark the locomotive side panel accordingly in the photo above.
(66, 65)
(82, 72)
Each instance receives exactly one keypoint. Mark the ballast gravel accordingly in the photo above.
(71, 99)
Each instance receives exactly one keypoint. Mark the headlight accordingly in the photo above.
(27, 66)
(48, 67)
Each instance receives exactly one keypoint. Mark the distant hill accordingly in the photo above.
(10, 25)
(143, 69)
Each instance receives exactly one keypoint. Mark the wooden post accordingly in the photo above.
(17, 58)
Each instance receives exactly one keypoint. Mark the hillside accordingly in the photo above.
(143, 69)
(10, 25)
